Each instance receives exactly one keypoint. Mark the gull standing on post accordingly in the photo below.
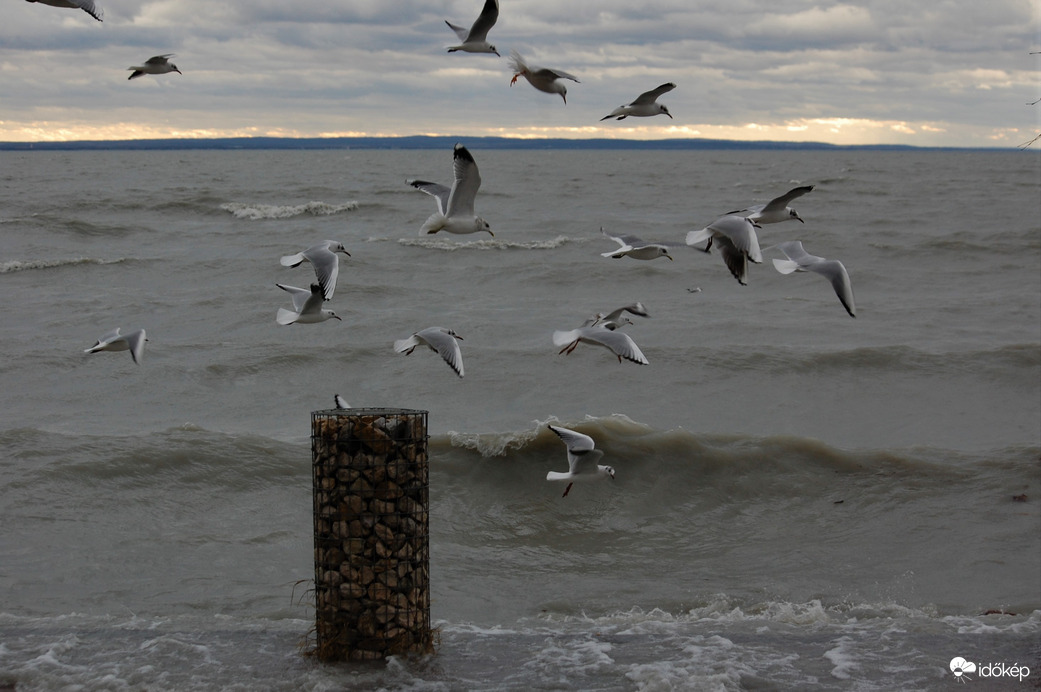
(737, 242)
(777, 209)
(631, 246)
(443, 341)
(476, 39)
(542, 78)
(455, 205)
(834, 271)
(308, 306)
(581, 459)
(85, 5)
(158, 64)
(114, 341)
(646, 104)
(324, 260)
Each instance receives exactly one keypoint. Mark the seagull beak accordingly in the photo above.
(564, 96)
(670, 257)
(337, 317)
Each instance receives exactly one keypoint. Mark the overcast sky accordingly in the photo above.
(926, 73)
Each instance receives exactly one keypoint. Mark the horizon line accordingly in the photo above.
(418, 141)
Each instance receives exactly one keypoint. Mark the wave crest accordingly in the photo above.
(26, 265)
(257, 212)
(450, 245)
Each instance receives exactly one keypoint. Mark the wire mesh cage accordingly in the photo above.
(371, 537)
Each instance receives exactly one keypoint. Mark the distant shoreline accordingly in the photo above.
(441, 142)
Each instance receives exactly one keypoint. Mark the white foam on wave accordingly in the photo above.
(25, 265)
(843, 658)
(450, 244)
(492, 444)
(257, 212)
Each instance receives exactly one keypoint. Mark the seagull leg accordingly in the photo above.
(514, 80)
(567, 489)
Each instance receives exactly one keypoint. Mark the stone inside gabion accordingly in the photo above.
(372, 548)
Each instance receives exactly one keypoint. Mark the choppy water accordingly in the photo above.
(802, 499)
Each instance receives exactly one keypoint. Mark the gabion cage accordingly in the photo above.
(371, 537)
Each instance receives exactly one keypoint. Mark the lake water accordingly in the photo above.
(802, 499)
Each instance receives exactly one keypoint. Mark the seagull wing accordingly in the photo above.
(326, 267)
(575, 441)
(300, 296)
(835, 272)
(103, 341)
(795, 252)
(779, 203)
(489, 15)
(460, 31)
(581, 455)
(158, 59)
(548, 74)
(635, 309)
(89, 7)
(439, 192)
(652, 95)
(620, 343)
(446, 344)
(313, 303)
(136, 341)
(467, 182)
(623, 244)
(735, 259)
(741, 233)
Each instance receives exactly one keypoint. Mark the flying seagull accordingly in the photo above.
(542, 78)
(616, 318)
(157, 64)
(307, 306)
(834, 271)
(476, 39)
(87, 6)
(631, 246)
(444, 341)
(324, 260)
(738, 243)
(581, 459)
(646, 104)
(455, 205)
(114, 341)
(777, 209)
(617, 342)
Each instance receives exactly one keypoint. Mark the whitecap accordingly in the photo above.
(24, 265)
(257, 212)
(449, 244)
